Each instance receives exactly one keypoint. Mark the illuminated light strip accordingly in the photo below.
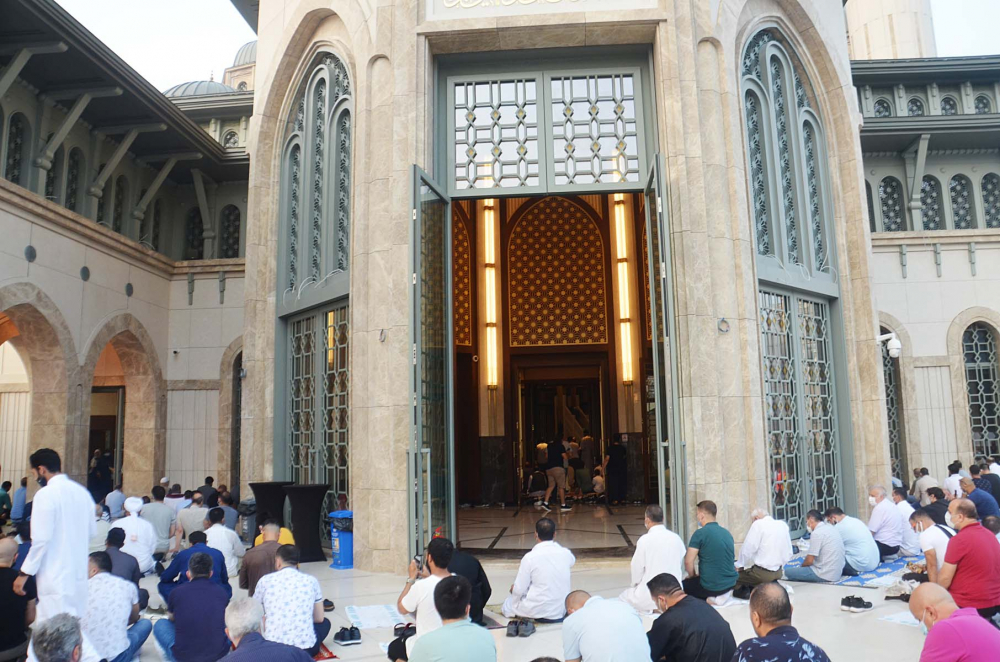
(489, 241)
(624, 318)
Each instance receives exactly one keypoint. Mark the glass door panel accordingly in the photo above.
(432, 448)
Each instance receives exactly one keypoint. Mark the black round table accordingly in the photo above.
(307, 503)
(270, 498)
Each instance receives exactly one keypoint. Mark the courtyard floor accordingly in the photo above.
(817, 614)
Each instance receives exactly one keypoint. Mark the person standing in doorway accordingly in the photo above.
(616, 471)
(585, 473)
(555, 470)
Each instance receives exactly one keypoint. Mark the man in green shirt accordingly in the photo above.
(713, 547)
(458, 639)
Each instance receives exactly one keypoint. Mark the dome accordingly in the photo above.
(246, 55)
(198, 88)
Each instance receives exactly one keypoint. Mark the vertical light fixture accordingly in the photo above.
(489, 250)
(624, 319)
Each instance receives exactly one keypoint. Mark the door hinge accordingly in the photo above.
(663, 270)
(414, 277)
(414, 213)
(659, 204)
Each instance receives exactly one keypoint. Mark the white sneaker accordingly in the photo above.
(721, 600)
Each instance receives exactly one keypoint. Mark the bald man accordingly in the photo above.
(599, 630)
(18, 610)
(776, 640)
(953, 634)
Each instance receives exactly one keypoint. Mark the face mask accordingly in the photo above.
(923, 626)
(947, 521)
(871, 500)
(920, 527)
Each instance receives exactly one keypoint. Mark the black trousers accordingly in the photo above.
(321, 630)
(617, 484)
(693, 587)
(397, 649)
(988, 613)
(885, 550)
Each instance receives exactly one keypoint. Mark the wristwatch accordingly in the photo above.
(411, 580)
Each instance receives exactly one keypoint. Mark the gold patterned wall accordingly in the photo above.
(557, 286)
(462, 283)
(645, 284)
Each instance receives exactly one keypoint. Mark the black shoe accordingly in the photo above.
(566, 509)
(846, 603)
(343, 637)
(742, 592)
(513, 627)
(355, 635)
(159, 568)
(860, 606)
(526, 630)
(545, 507)
(328, 605)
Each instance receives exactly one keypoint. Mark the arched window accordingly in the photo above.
(74, 179)
(154, 237)
(949, 106)
(242, 87)
(962, 210)
(871, 206)
(915, 108)
(894, 414)
(18, 149)
(194, 235)
(979, 347)
(883, 108)
(120, 209)
(54, 175)
(890, 195)
(230, 140)
(229, 245)
(792, 215)
(991, 200)
(102, 202)
(930, 204)
(983, 105)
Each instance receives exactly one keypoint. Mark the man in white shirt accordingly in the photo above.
(911, 541)
(140, 536)
(933, 541)
(543, 578)
(886, 524)
(225, 540)
(923, 483)
(417, 597)
(953, 483)
(602, 630)
(765, 551)
(112, 620)
(995, 465)
(115, 501)
(62, 524)
(293, 604)
(659, 550)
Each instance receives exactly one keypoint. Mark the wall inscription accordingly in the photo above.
(445, 9)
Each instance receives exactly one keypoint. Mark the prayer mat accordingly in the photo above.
(325, 654)
(884, 575)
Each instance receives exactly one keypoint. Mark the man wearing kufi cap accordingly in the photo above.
(140, 536)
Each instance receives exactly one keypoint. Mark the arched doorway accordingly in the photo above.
(122, 360)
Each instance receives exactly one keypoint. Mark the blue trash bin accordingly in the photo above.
(342, 539)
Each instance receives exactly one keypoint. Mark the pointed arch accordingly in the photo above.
(229, 414)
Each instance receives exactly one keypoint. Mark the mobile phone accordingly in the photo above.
(419, 559)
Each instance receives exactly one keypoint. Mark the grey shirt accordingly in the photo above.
(161, 516)
(587, 453)
(231, 517)
(827, 549)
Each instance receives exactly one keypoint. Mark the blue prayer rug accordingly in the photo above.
(895, 568)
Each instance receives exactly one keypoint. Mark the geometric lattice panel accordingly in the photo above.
(556, 271)
(462, 283)
(983, 386)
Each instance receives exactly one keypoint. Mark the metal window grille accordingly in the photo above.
(991, 200)
(336, 406)
(871, 206)
(229, 246)
(73, 179)
(343, 248)
(979, 346)
(890, 195)
(784, 159)
(302, 400)
(894, 414)
(118, 211)
(154, 238)
(883, 108)
(961, 202)
(949, 106)
(15, 149)
(231, 139)
(930, 204)
(194, 235)
(915, 108)
(819, 403)
(295, 183)
(758, 168)
(815, 205)
(983, 105)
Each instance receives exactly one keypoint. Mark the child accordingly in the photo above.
(598, 481)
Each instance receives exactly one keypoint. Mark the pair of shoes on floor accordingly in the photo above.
(518, 628)
(854, 604)
(721, 600)
(328, 605)
(348, 636)
(566, 509)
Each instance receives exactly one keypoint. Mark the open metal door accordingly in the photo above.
(431, 461)
(669, 446)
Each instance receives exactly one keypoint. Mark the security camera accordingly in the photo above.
(892, 344)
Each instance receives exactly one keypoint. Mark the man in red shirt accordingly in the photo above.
(954, 635)
(971, 570)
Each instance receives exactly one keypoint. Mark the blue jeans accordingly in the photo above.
(137, 636)
(801, 574)
(165, 633)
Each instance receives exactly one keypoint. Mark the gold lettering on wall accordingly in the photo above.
(557, 293)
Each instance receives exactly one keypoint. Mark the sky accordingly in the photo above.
(175, 41)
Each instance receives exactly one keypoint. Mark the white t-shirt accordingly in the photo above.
(420, 601)
(109, 606)
(953, 486)
(598, 484)
(936, 539)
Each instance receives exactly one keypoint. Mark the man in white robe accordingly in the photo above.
(140, 536)
(62, 523)
(543, 579)
(659, 550)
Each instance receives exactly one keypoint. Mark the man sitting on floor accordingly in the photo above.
(112, 622)
(466, 565)
(189, 519)
(18, 610)
(285, 536)
(765, 551)
(713, 547)
(933, 540)
(259, 560)
(124, 565)
(244, 621)
(659, 550)
(140, 536)
(225, 540)
(688, 630)
(986, 505)
(293, 604)
(993, 479)
(983, 483)
(824, 560)
(195, 630)
(176, 573)
(599, 630)
(860, 551)
(911, 542)
(458, 639)
(952, 484)
(971, 570)
(543, 578)
(418, 595)
(953, 634)
(885, 523)
(923, 483)
(776, 640)
(992, 525)
(938, 506)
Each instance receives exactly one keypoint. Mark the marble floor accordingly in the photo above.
(817, 615)
(586, 527)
